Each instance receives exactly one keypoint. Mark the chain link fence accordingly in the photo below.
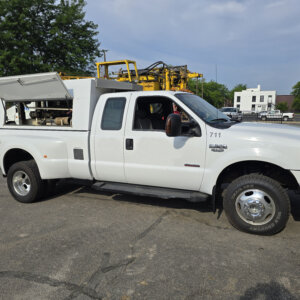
(256, 117)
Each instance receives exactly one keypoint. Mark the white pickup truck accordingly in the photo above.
(275, 115)
(232, 112)
(125, 140)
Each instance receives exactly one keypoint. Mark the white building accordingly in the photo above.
(254, 100)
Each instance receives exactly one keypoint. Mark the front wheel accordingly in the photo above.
(256, 204)
(285, 118)
(24, 181)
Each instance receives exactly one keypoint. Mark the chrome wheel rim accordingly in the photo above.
(255, 207)
(21, 183)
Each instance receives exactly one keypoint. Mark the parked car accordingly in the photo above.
(275, 115)
(263, 112)
(232, 112)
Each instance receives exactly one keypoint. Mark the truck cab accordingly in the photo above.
(133, 124)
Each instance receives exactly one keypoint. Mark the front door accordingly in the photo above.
(154, 159)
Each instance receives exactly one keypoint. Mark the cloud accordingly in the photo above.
(246, 39)
(275, 4)
(226, 7)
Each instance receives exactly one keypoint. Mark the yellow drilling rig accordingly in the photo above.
(158, 76)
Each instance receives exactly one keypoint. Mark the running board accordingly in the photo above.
(142, 190)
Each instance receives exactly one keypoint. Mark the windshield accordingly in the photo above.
(202, 109)
(228, 109)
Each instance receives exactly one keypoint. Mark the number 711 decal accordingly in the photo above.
(215, 134)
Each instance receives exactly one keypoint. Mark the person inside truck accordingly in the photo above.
(151, 113)
(175, 109)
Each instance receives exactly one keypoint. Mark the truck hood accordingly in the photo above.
(267, 131)
(276, 143)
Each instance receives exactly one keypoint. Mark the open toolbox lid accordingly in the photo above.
(43, 86)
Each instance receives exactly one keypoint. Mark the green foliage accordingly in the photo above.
(282, 106)
(215, 93)
(296, 90)
(238, 88)
(296, 104)
(296, 93)
(43, 35)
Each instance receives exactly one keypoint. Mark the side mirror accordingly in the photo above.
(173, 125)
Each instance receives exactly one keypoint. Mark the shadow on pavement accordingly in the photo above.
(60, 188)
(153, 201)
(295, 206)
(64, 187)
(268, 291)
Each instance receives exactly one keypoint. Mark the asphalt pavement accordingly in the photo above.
(80, 244)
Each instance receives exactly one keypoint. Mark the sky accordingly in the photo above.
(229, 41)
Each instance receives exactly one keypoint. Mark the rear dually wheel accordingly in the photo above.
(24, 181)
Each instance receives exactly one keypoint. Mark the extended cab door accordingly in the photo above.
(154, 159)
(107, 139)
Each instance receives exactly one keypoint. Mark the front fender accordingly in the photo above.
(218, 161)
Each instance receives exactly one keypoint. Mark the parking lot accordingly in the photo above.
(85, 245)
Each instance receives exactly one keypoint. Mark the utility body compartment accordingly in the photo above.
(86, 93)
(49, 88)
(57, 117)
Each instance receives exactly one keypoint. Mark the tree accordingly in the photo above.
(296, 90)
(238, 88)
(282, 106)
(213, 92)
(296, 93)
(296, 104)
(43, 35)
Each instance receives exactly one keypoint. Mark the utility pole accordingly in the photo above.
(104, 53)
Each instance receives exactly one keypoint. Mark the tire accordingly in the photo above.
(256, 204)
(263, 118)
(285, 118)
(24, 181)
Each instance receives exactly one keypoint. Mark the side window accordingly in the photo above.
(113, 114)
(151, 113)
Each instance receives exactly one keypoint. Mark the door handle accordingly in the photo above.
(129, 144)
